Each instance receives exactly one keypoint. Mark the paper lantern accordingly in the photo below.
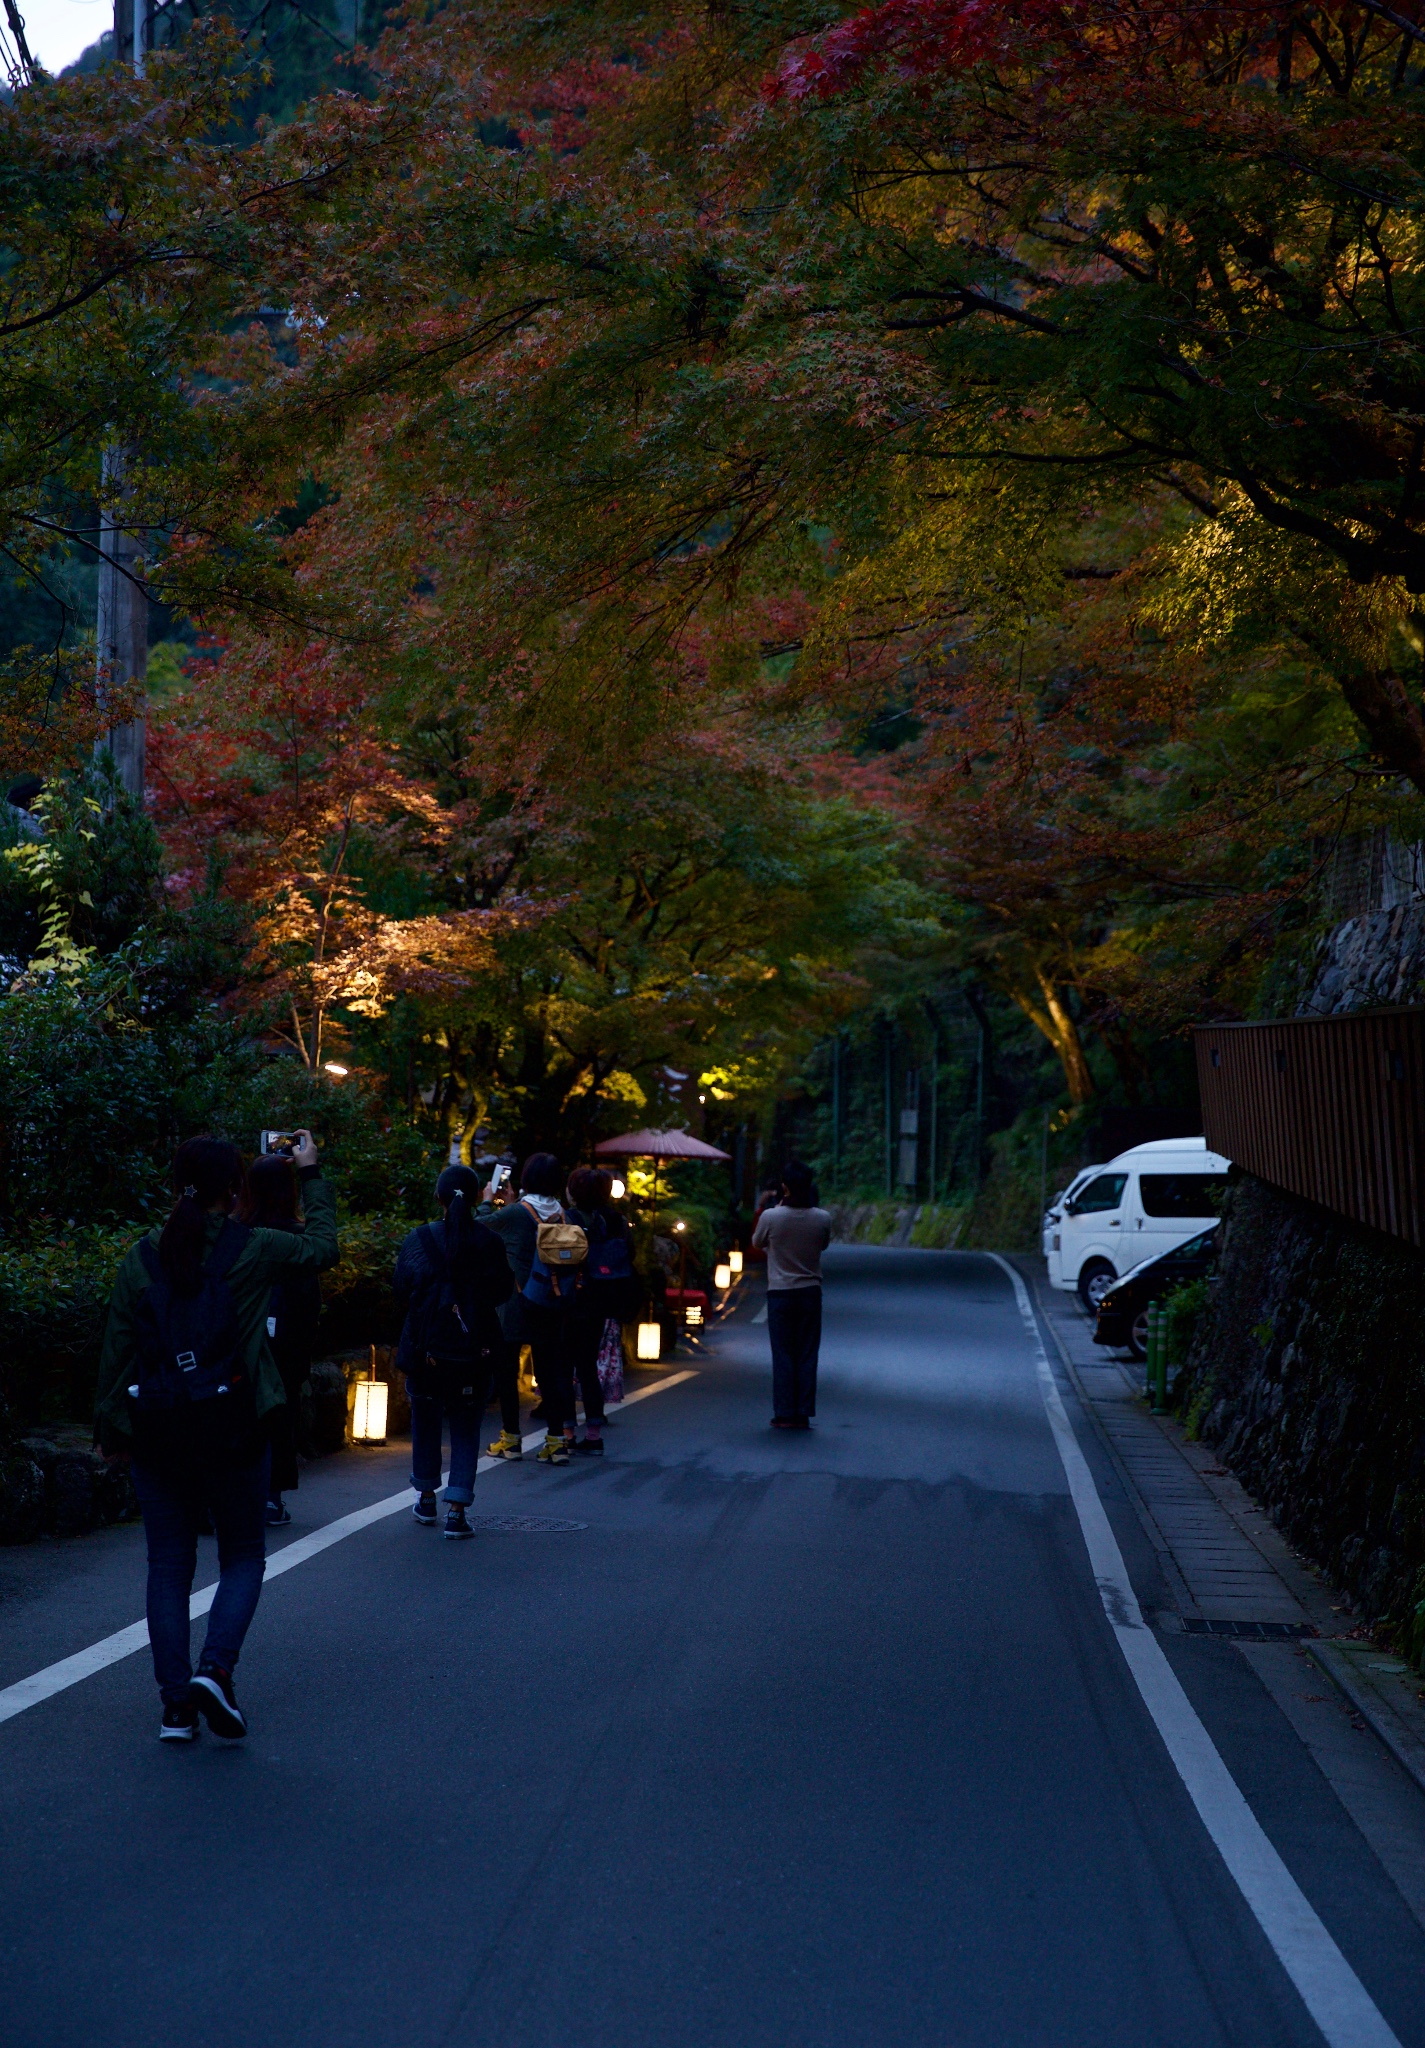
(734, 1260)
(618, 1190)
(722, 1276)
(693, 1316)
(368, 1422)
(650, 1340)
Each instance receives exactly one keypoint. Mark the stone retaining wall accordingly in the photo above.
(1307, 1376)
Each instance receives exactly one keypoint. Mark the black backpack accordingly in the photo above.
(453, 1331)
(193, 1395)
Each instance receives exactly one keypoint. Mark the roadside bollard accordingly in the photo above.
(1150, 1363)
(1160, 1363)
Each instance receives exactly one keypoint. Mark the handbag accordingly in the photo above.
(610, 1362)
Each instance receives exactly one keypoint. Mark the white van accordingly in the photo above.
(1145, 1202)
(1049, 1227)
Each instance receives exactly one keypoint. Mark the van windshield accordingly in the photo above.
(1183, 1196)
(1104, 1193)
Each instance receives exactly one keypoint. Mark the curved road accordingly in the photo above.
(817, 1742)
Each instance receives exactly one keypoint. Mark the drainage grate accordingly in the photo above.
(1255, 1631)
(523, 1525)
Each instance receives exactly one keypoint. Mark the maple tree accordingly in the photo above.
(276, 774)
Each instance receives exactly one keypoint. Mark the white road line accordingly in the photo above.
(1332, 1992)
(43, 1685)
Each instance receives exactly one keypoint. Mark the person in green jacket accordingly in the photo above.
(207, 1458)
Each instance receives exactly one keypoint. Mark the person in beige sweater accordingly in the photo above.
(794, 1235)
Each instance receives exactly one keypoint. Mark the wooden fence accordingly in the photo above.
(1331, 1108)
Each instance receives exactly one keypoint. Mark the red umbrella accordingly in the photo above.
(658, 1145)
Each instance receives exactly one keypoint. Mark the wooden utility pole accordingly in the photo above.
(122, 622)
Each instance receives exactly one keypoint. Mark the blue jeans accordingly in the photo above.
(463, 1413)
(794, 1327)
(173, 1504)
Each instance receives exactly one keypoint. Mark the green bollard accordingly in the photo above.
(1150, 1364)
(1160, 1366)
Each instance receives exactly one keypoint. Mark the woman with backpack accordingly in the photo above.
(450, 1279)
(293, 1311)
(187, 1391)
(545, 1251)
(607, 1292)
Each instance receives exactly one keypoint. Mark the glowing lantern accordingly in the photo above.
(335, 1067)
(693, 1316)
(650, 1340)
(734, 1260)
(368, 1422)
(618, 1190)
(722, 1276)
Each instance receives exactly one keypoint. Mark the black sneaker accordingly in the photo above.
(179, 1723)
(424, 1510)
(455, 1522)
(278, 1515)
(213, 1697)
(588, 1447)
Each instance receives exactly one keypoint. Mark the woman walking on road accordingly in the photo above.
(539, 1315)
(293, 1311)
(187, 1391)
(450, 1279)
(794, 1236)
(607, 1292)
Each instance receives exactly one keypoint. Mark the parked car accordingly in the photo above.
(1053, 1216)
(1145, 1202)
(1123, 1310)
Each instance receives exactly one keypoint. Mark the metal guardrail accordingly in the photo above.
(1330, 1108)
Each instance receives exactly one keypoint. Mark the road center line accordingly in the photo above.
(1331, 1990)
(43, 1685)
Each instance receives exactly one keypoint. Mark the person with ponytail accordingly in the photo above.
(187, 1392)
(450, 1279)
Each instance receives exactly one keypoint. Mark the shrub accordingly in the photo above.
(54, 1299)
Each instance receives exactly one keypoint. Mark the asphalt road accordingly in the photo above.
(812, 1742)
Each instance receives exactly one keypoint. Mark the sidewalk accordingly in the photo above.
(1232, 1574)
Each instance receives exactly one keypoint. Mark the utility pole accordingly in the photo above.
(890, 1183)
(121, 627)
(934, 1095)
(975, 1003)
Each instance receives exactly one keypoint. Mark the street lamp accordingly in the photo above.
(335, 1067)
(618, 1189)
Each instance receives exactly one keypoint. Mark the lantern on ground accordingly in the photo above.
(734, 1260)
(650, 1340)
(368, 1417)
(693, 1316)
(722, 1276)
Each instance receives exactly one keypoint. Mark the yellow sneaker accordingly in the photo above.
(505, 1446)
(554, 1450)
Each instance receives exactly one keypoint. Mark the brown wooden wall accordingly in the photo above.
(1332, 1108)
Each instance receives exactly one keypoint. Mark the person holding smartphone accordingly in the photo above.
(497, 1195)
(187, 1389)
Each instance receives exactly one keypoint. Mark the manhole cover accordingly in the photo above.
(523, 1525)
(1254, 1631)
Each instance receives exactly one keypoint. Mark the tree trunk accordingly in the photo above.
(1392, 722)
(122, 634)
(1054, 1020)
